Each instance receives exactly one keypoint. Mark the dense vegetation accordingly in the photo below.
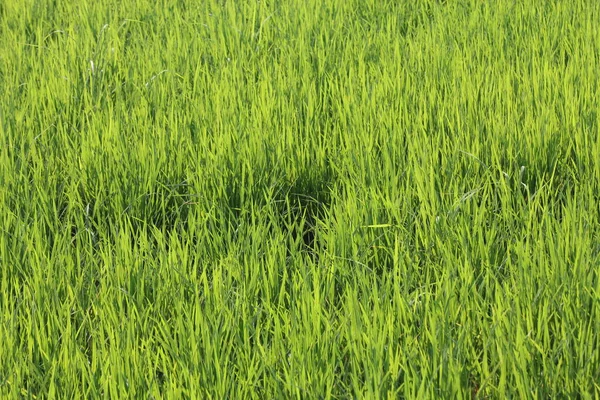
(299, 199)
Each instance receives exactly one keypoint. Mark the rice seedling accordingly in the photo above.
(299, 199)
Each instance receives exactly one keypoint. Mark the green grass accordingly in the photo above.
(299, 199)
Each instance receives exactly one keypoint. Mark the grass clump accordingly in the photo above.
(348, 199)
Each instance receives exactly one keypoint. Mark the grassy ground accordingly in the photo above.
(299, 199)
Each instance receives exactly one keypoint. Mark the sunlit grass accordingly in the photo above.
(301, 199)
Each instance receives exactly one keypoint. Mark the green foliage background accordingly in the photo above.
(299, 199)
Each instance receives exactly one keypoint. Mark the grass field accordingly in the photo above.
(299, 199)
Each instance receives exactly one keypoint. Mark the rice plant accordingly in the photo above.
(300, 199)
